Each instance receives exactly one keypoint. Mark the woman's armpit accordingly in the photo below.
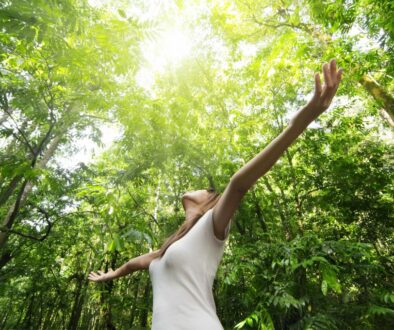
(227, 230)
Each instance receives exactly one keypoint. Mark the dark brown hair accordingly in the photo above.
(187, 225)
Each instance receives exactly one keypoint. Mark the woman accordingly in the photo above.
(183, 269)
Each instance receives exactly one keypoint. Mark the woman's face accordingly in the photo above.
(195, 197)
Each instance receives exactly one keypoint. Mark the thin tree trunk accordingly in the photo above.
(78, 302)
(5, 116)
(24, 192)
(297, 200)
(7, 191)
(259, 212)
(26, 323)
(144, 311)
(133, 309)
(105, 298)
(41, 312)
(4, 320)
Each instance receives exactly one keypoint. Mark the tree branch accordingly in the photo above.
(24, 138)
(40, 239)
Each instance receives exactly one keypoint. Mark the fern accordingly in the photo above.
(315, 322)
(260, 320)
(379, 310)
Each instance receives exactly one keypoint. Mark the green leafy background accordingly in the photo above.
(311, 246)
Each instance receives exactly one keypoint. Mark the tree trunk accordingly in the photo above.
(105, 298)
(136, 291)
(6, 256)
(26, 323)
(78, 302)
(296, 194)
(24, 192)
(259, 212)
(7, 191)
(4, 319)
(144, 311)
(386, 117)
(379, 94)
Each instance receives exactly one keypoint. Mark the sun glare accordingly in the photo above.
(167, 49)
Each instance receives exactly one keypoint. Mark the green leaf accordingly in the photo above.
(379, 310)
(330, 277)
(324, 287)
(122, 13)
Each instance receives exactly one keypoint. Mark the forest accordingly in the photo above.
(111, 110)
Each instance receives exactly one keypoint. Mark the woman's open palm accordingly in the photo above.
(323, 96)
(100, 276)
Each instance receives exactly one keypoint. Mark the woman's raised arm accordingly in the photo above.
(245, 178)
(138, 263)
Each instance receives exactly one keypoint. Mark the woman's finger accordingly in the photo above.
(333, 71)
(339, 75)
(317, 84)
(338, 80)
(327, 78)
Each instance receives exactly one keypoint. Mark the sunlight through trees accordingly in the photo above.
(110, 110)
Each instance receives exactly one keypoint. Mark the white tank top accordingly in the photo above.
(182, 280)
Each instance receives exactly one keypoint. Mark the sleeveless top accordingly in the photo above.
(182, 280)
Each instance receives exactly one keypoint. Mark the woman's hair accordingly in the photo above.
(187, 225)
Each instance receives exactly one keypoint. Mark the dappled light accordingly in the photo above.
(174, 165)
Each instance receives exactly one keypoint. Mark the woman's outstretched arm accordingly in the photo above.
(245, 178)
(138, 263)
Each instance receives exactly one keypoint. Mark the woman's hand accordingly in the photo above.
(322, 98)
(101, 276)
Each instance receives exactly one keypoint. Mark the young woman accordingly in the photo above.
(183, 269)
